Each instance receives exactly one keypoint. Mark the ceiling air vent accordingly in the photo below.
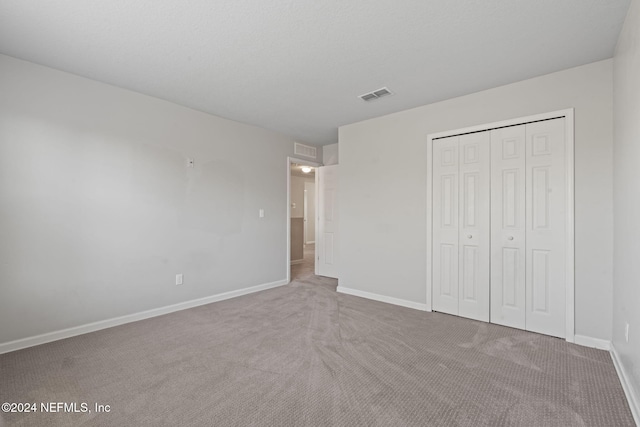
(375, 94)
(368, 97)
(304, 150)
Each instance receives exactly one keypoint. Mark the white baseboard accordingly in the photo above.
(383, 298)
(592, 342)
(296, 261)
(108, 323)
(627, 386)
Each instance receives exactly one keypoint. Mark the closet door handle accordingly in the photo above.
(469, 236)
(510, 237)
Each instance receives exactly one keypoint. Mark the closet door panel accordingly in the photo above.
(445, 224)
(508, 225)
(474, 220)
(546, 227)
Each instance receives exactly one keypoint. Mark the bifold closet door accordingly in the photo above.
(474, 219)
(546, 227)
(528, 227)
(461, 188)
(508, 224)
(445, 225)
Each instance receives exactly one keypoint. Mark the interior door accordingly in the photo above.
(445, 224)
(546, 227)
(328, 235)
(474, 219)
(508, 223)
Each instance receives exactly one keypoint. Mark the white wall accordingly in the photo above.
(383, 189)
(330, 154)
(98, 210)
(626, 184)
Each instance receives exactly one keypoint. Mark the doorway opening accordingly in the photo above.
(302, 218)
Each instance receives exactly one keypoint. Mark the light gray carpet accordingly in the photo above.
(303, 355)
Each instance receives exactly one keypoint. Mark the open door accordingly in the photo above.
(327, 236)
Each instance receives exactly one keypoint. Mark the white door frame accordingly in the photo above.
(568, 114)
(291, 160)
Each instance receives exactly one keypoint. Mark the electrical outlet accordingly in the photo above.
(261, 213)
(178, 279)
(626, 332)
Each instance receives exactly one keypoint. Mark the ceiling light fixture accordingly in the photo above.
(306, 169)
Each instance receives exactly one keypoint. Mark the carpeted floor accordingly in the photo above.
(306, 269)
(303, 355)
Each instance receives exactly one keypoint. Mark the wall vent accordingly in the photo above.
(304, 150)
(375, 94)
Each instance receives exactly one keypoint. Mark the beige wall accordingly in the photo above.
(297, 195)
(310, 189)
(298, 184)
(383, 189)
(297, 239)
(297, 214)
(99, 211)
(626, 162)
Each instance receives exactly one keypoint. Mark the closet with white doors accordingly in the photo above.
(499, 225)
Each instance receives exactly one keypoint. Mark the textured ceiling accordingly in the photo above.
(298, 66)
